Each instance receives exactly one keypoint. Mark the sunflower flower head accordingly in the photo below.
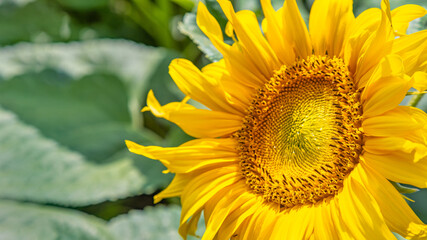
(303, 129)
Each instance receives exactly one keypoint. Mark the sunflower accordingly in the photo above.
(302, 131)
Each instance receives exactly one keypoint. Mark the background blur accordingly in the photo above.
(74, 75)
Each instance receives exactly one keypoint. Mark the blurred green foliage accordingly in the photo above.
(74, 75)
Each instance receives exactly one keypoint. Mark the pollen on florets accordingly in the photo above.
(301, 136)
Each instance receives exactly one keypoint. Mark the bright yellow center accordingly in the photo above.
(301, 135)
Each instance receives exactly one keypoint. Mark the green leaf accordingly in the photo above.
(160, 222)
(64, 121)
(38, 169)
(15, 2)
(83, 5)
(189, 27)
(188, 5)
(31, 221)
(134, 64)
(419, 204)
(43, 23)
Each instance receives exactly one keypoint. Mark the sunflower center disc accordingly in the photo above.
(301, 135)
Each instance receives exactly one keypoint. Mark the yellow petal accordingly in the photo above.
(229, 30)
(295, 30)
(337, 218)
(398, 215)
(202, 123)
(243, 207)
(397, 122)
(388, 96)
(199, 123)
(330, 22)
(273, 29)
(325, 228)
(298, 223)
(253, 43)
(390, 66)
(399, 167)
(203, 187)
(202, 88)
(260, 223)
(403, 15)
(236, 94)
(420, 81)
(379, 46)
(413, 50)
(385, 88)
(365, 49)
(241, 68)
(242, 228)
(192, 155)
(163, 112)
(366, 23)
(388, 145)
(360, 212)
(190, 227)
(175, 188)
(210, 26)
(228, 203)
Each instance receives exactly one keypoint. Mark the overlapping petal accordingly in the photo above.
(230, 212)
(192, 155)
(297, 223)
(295, 30)
(398, 215)
(205, 186)
(251, 60)
(413, 51)
(250, 38)
(201, 87)
(385, 88)
(399, 166)
(367, 33)
(403, 15)
(236, 94)
(195, 122)
(274, 31)
(362, 214)
(401, 121)
(330, 23)
(261, 223)
(420, 81)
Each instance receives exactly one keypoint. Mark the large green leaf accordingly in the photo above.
(38, 169)
(83, 5)
(67, 109)
(31, 221)
(34, 21)
(134, 64)
(64, 20)
(158, 223)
